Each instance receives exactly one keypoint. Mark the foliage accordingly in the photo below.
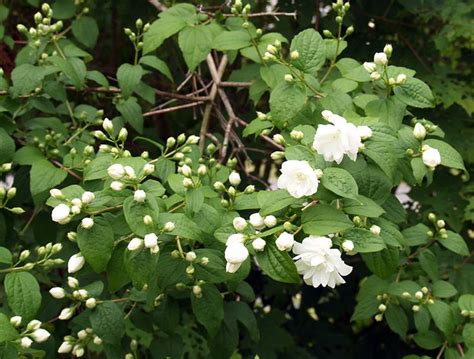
(157, 244)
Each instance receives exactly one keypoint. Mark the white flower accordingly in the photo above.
(258, 244)
(338, 139)
(234, 178)
(135, 244)
(256, 220)
(380, 58)
(139, 195)
(57, 292)
(25, 342)
(375, 229)
(75, 263)
(348, 245)
(66, 313)
(16, 320)
(87, 197)
(169, 227)
(56, 193)
(364, 132)
(235, 238)
(419, 131)
(148, 169)
(298, 178)
(235, 254)
(431, 156)
(60, 213)
(151, 240)
(285, 241)
(369, 67)
(319, 263)
(87, 223)
(40, 335)
(239, 224)
(117, 186)
(116, 171)
(270, 221)
(65, 347)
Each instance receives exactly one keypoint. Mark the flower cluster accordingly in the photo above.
(32, 333)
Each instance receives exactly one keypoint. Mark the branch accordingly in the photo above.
(158, 5)
(263, 137)
(274, 14)
(72, 173)
(172, 109)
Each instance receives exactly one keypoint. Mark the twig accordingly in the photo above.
(158, 5)
(274, 14)
(172, 109)
(212, 95)
(72, 173)
(263, 137)
(235, 84)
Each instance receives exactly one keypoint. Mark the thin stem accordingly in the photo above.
(333, 61)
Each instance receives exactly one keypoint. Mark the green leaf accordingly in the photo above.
(364, 240)
(362, 206)
(466, 302)
(73, 67)
(140, 265)
(96, 243)
(277, 265)
(442, 315)
(135, 211)
(157, 64)
(23, 294)
(429, 340)
(367, 302)
(7, 331)
(422, 319)
(209, 308)
(44, 176)
(26, 78)
(383, 263)
(242, 313)
(231, 40)
(443, 289)
(116, 278)
(455, 243)
(415, 93)
(311, 49)
(419, 169)
(397, 319)
(344, 85)
(286, 100)
(468, 335)
(323, 219)
(388, 110)
(169, 23)
(214, 270)
(416, 235)
(107, 322)
(129, 77)
(195, 199)
(195, 44)
(132, 113)
(429, 263)
(449, 156)
(85, 30)
(97, 77)
(273, 201)
(5, 257)
(7, 146)
(340, 182)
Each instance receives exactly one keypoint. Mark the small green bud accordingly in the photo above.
(17, 210)
(139, 23)
(432, 217)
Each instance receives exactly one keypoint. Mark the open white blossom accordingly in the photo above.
(298, 178)
(338, 139)
(61, 213)
(319, 263)
(364, 132)
(431, 156)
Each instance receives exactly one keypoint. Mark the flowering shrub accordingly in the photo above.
(150, 252)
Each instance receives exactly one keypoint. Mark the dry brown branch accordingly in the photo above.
(172, 109)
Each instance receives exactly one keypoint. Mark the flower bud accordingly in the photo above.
(15, 321)
(375, 76)
(258, 244)
(219, 186)
(191, 256)
(188, 183)
(99, 135)
(296, 135)
(91, 303)
(279, 139)
(419, 295)
(60, 214)
(202, 171)
(150, 240)
(169, 227)
(401, 79)
(72, 282)
(87, 223)
(415, 308)
(170, 142)
(234, 178)
(375, 229)
(134, 244)
(382, 308)
(388, 49)
(294, 55)
(72, 236)
(239, 224)
(378, 317)
(430, 156)
(235, 254)
(249, 189)
(285, 241)
(26, 342)
(139, 196)
(192, 140)
(57, 292)
(117, 186)
(66, 313)
(348, 245)
(108, 126)
(76, 262)
(97, 340)
(186, 171)
(24, 255)
(87, 197)
(40, 335)
(147, 220)
(419, 131)
(288, 78)
(123, 134)
(270, 221)
(116, 171)
(148, 169)
(56, 193)
(257, 221)
(350, 30)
